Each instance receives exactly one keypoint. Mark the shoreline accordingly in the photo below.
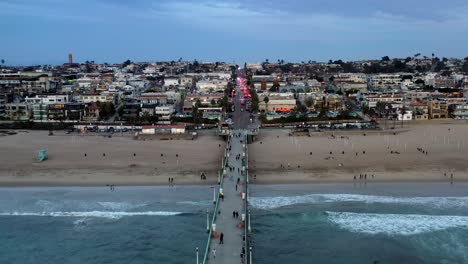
(32, 184)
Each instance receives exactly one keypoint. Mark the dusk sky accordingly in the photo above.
(45, 31)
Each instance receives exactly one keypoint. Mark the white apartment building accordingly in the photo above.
(206, 85)
(92, 98)
(460, 111)
(47, 99)
(186, 81)
(371, 101)
(384, 81)
(164, 112)
(171, 82)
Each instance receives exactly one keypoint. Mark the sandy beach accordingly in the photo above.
(68, 165)
(277, 157)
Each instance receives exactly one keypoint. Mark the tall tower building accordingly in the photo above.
(70, 58)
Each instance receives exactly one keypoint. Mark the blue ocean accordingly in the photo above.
(361, 223)
(95, 225)
(320, 223)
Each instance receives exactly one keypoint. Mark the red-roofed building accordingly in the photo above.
(91, 112)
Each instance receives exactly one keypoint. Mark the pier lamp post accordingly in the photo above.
(250, 253)
(207, 221)
(198, 261)
(250, 228)
(214, 194)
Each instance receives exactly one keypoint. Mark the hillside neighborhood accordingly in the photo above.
(192, 92)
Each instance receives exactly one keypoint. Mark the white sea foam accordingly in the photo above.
(200, 203)
(395, 224)
(119, 206)
(95, 214)
(281, 201)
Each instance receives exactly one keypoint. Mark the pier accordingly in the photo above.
(231, 195)
(229, 199)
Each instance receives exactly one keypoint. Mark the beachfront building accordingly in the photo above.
(211, 112)
(372, 100)
(420, 110)
(74, 111)
(18, 111)
(131, 111)
(460, 111)
(91, 112)
(164, 112)
(438, 109)
(277, 104)
(163, 129)
(56, 112)
(406, 116)
(39, 112)
(3, 101)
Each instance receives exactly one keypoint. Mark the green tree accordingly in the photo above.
(385, 58)
(309, 102)
(323, 113)
(213, 102)
(126, 63)
(255, 100)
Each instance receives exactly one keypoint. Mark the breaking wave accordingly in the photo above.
(281, 201)
(395, 224)
(95, 214)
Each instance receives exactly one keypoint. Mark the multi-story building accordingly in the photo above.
(3, 101)
(277, 104)
(39, 111)
(74, 111)
(93, 98)
(438, 109)
(153, 98)
(460, 111)
(91, 112)
(18, 111)
(131, 110)
(48, 99)
(164, 112)
(371, 101)
(420, 110)
(56, 112)
(384, 81)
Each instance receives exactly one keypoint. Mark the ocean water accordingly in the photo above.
(95, 225)
(357, 223)
(321, 223)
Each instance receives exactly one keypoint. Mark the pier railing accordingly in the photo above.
(215, 212)
(246, 201)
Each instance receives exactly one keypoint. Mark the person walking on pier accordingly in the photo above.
(213, 251)
(221, 238)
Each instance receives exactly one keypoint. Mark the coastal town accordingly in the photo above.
(164, 94)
